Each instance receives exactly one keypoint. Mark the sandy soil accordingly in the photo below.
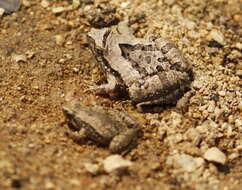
(44, 60)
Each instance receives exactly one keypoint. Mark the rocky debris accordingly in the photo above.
(26, 3)
(59, 39)
(19, 58)
(215, 155)
(57, 10)
(217, 36)
(92, 168)
(115, 163)
(187, 162)
(45, 3)
(76, 4)
(194, 135)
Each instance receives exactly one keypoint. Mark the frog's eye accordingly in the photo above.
(125, 49)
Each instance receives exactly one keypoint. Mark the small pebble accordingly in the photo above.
(217, 36)
(1, 12)
(59, 39)
(124, 4)
(215, 155)
(238, 123)
(45, 3)
(189, 24)
(57, 10)
(194, 135)
(19, 58)
(197, 84)
(26, 3)
(222, 93)
(75, 4)
(49, 185)
(211, 106)
(237, 72)
(91, 168)
(115, 163)
(186, 162)
(238, 45)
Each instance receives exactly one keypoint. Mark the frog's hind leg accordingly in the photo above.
(124, 142)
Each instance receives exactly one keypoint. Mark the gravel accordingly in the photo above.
(174, 152)
(215, 155)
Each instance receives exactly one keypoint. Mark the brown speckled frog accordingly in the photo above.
(151, 70)
(106, 127)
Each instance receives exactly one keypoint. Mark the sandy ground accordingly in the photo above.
(44, 59)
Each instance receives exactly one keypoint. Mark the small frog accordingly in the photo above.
(151, 70)
(113, 128)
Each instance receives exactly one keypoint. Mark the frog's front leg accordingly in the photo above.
(110, 88)
(124, 142)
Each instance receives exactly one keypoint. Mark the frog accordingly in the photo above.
(150, 70)
(107, 127)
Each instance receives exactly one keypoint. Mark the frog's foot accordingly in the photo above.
(78, 136)
(124, 142)
(183, 102)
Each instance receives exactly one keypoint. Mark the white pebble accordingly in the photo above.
(217, 36)
(186, 162)
(238, 45)
(57, 10)
(26, 3)
(91, 168)
(115, 162)
(59, 39)
(19, 58)
(197, 84)
(215, 155)
(192, 34)
(1, 12)
(222, 93)
(75, 3)
(193, 135)
(189, 24)
(124, 4)
(211, 106)
(45, 3)
(238, 123)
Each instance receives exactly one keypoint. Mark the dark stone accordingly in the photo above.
(215, 44)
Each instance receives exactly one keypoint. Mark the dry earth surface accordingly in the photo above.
(44, 61)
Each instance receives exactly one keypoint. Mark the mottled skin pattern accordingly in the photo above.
(113, 128)
(152, 71)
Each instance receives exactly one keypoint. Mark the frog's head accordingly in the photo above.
(97, 38)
